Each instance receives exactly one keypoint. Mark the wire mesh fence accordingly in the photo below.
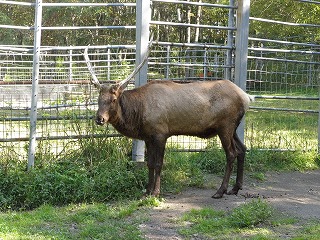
(283, 75)
(67, 101)
(284, 115)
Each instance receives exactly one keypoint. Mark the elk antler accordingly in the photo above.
(125, 82)
(94, 79)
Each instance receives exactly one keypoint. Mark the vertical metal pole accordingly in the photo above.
(108, 63)
(70, 66)
(242, 34)
(35, 82)
(228, 71)
(319, 120)
(168, 62)
(143, 17)
(205, 61)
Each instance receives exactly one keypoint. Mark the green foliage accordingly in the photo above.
(250, 214)
(212, 161)
(286, 11)
(261, 161)
(150, 201)
(75, 221)
(219, 224)
(281, 10)
(179, 172)
(310, 232)
(83, 176)
(99, 170)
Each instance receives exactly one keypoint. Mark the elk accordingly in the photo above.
(160, 109)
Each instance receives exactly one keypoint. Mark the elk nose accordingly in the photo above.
(100, 120)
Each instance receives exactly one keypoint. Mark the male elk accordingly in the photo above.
(160, 109)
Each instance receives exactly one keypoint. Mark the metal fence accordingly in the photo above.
(284, 76)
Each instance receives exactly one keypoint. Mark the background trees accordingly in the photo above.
(280, 10)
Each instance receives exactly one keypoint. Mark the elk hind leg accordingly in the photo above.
(228, 145)
(241, 152)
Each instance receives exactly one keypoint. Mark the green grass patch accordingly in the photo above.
(310, 232)
(252, 220)
(75, 221)
(179, 172)
(281, 130)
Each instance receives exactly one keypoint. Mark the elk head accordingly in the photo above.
(108, 101)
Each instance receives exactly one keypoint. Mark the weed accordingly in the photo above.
(150, 201)
(250, 214)
(221, 225)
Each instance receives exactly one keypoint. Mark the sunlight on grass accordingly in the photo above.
(83, 221)
(310, 232)
(279, 130)
(249, 220)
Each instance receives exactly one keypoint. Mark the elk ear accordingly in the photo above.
(116, 90)
(121, 87)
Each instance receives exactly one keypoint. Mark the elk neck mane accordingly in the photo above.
(131, 111)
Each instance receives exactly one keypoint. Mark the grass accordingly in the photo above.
(219, 224)
(120, 220)
(311, 232)
(251, 220)
(282, 130)
(76, 221)
(90, 174)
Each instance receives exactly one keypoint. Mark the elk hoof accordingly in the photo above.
(234, 190)
(218, 195)
(155, 194)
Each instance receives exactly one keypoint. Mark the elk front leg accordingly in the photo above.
(155, 154)
(150, 185)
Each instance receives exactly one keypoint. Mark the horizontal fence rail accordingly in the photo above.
(70, 4)
(284, 23)
(197, 4)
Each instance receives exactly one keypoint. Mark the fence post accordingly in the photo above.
(228, 62)
(70, 66)
(168, 62)
(143, 17)
(241, 52)
(35, 83)
(108, 64)
(319, 122)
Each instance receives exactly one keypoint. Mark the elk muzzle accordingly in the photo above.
(100, 120)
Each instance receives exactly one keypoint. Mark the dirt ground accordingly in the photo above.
(295, 194)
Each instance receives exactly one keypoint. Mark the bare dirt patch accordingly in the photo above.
(295, 194)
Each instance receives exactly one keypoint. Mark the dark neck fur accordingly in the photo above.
(130, 115)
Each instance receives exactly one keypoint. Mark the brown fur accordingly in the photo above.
(161, 109)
